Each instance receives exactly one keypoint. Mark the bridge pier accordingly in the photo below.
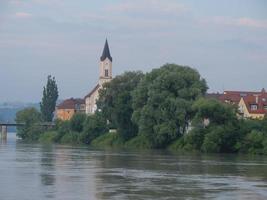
(3, 132)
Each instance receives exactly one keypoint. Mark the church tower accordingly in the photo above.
(105, 75)
(105, 65)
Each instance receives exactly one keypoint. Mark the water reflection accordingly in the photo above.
(34, 171)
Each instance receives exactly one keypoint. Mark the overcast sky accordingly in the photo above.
(226, 41)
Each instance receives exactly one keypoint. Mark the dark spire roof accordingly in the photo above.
(106, 53)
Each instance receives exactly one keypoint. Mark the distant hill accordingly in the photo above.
(8, 111)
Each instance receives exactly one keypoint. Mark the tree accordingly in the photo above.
(162, 102)
(50, 95)
(115, 102)
(30, 117)
(217, 112)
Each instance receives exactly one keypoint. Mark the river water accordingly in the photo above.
(36, 172)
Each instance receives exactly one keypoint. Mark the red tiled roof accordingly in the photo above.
(92, 91)
(250, 98)
(259, 99)
(70, 103)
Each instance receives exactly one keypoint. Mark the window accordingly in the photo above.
(265, 107)
(106, 72)
(254, 107)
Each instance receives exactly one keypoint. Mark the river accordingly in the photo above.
(62, 172)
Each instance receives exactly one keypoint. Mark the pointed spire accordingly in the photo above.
(106, 52)
(263, 90)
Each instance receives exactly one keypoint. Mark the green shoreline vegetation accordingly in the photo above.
(164, 109)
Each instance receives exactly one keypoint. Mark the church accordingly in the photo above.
(105, 75)
(66, 109)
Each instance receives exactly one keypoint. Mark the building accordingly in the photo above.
(250, 104)
(253, 105)
(66, 109)
(105, 75)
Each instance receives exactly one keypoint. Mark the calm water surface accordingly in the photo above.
(35, 171)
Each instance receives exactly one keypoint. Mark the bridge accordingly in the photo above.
(3, 127)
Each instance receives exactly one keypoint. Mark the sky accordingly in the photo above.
(226, 41)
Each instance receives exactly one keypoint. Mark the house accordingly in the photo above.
(253, 105)
(66, 109)
(250, 104)
(105, 75)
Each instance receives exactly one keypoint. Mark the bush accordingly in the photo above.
(140, 142)
(108, 140)
(30, 117)
(62, 128)
(191, 141)
(194, 139)
(213, 140)
(254, 143)
(265, 146)
(48, 137)
(94, 126)
(77, 122)
(70, 137)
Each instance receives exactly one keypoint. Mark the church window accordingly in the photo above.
(106, 72)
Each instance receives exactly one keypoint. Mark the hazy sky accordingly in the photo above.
(226, 41)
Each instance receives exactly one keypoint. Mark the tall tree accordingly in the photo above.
(162, 102)
(50, 95)
(115, 102)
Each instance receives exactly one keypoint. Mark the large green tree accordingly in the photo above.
(115, 102)
(50, 96)
(162, 102)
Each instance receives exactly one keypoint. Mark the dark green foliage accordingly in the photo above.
(62, 128)
(31, 117)
(115, 102)
(254, 143)
(108, 140)
(77, 122)
(70, 137)
(94, 126)
(213, 140)
(139, 142)
(194, 139)
(50, 95)
(215, 111)
(162, 102)
(48, 137)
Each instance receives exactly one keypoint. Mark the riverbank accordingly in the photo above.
(167, 108)
(187, 143)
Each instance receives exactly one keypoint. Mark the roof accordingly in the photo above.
(106, 52)
(235, 96)
(92, 91)
(259, 99)
(250, 98)
(70, 103)
(213, 95)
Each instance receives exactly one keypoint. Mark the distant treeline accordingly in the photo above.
(164, 108)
